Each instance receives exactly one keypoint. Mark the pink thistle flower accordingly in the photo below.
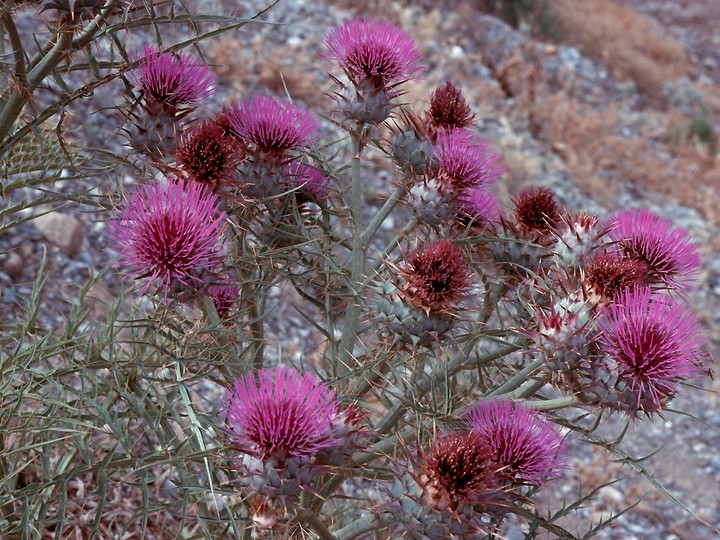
(169, 234)
(270, 127)
(465, 161)
(437, 276)
(373, 51)
(208, 155)
(223, 296)
(284, 414)
(173, 79)
(524, 444)
(459, 469)
(312, 183)
(668, 252)
(479, 207)
(654, 344)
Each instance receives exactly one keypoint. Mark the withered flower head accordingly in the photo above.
(208, 155)
(537, 210)
(459, 468)
(437, 276)
(609, 274)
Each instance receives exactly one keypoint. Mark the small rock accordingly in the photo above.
(61, 230)
(13, 264)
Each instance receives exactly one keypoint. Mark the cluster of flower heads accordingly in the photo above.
(618, 338)
(469, 474)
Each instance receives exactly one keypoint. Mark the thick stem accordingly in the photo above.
(359, 527)
(383, 213)
(357, 262)
(315, 523)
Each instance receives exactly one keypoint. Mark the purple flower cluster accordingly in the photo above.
(526, 447)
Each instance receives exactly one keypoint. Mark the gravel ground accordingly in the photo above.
(466, 50)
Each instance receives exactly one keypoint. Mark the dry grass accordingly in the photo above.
(623, 40)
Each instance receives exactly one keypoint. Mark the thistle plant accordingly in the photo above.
(452, 365)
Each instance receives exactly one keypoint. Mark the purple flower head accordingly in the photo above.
(284, 413)
(223, 296)
(654, 343)
(169, 233)
(479, 207)
(524, 444)
(173, 79)
(465, 161)
(670, 256)
(270, 127)
(459, 468)
(373, 51)
(311, 181)
(449, 109)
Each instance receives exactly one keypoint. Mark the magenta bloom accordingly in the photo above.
(310, 180)
(670, 256)
(223, 296)
(285, 413)
(373, 51)
(169, 233)
(465, 161)
(524, 444)
(270, 126)
(654, 343)
(479, 206)
(173, 79)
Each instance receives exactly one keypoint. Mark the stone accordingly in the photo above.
(13, 265)
(61, 230)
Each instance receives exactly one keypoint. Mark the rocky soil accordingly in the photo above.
(496, 66)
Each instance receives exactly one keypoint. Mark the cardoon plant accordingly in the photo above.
(329, 352)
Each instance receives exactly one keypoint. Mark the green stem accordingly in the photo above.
(315, 523)
(393, 244)
(516, 380)
(359, 527)
(383, 213)
(357, 262)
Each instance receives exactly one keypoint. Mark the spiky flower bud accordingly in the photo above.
(455, 491)
(169, 234)
(449, 109)
(608, 274)
(577, 238)
(523, 443)
(667, 252)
